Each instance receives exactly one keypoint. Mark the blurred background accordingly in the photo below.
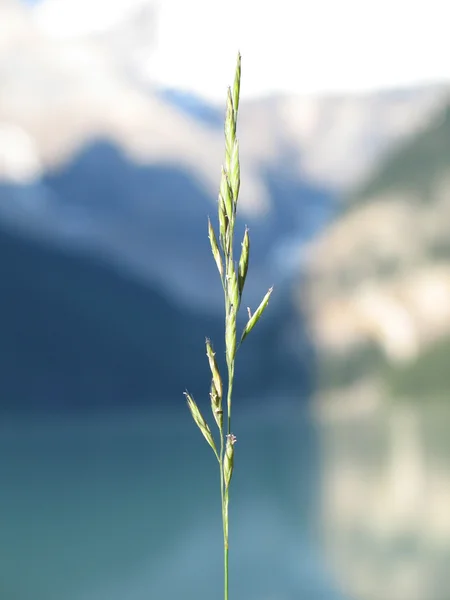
(111, 141)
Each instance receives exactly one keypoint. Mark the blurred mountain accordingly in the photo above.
(194, 106)
(105, 186)
(63, 95)
(377, 283)
(78, 333)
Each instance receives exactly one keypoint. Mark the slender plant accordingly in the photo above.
(233, 276)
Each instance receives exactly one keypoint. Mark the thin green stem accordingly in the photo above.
(225, 495)
(225, 567)
(230, 394)
(225, 542)
(224, 517)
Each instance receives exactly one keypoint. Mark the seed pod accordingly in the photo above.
(214, 368)
(228, 461)
(215, 248)
(216, 406)
(256, 315)
(200, 422)
(243, 261)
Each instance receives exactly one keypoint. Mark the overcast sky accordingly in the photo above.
(287, 45)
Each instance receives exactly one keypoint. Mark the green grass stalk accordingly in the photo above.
(233, 276)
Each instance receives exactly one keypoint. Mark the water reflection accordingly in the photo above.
(385, 501)
(126, 507)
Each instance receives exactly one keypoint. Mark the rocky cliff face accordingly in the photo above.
(377, 283)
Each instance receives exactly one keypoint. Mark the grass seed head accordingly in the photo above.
(233, 287)
(233, 276)
(227, 194)
(228, 461)
(216, 406)
(215, 248)
(223, 222)
(235, 173)
(230, 129)
(237, 85)
(243, 261)
(200, 421)
(214, 368)
(256, 315)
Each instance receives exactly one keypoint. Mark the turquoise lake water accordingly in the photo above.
(126, 506)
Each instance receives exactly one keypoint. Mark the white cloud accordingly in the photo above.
(72, 18)
(287, 45)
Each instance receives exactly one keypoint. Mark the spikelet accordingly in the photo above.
(256, 315)
(237, 86)
(200, 422)
(228, 461)
(214, 368)
(215, 248)
(243, 261)
(230, 129)
(226, 194)
(234, 173)
(233, 286)
(216, 406)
